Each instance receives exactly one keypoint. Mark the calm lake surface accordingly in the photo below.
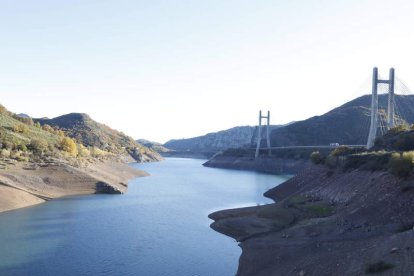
(159, 227)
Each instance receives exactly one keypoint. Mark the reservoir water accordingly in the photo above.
(159, 227)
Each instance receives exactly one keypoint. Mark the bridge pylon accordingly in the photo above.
(259, 136)
(374, 104)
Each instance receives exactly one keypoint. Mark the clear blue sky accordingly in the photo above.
(174, 69)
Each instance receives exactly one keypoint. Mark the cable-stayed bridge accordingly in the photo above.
(382, 114)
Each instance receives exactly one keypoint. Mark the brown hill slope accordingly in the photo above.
(81, 127)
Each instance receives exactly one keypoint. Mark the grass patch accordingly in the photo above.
(378, 267)
(319, 210)
(370, 161)
(294, 201)
(310, 207)
(282, 216)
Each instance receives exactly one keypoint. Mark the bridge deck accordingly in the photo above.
(311, 147)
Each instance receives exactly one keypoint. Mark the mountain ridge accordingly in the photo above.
(82, 128)
(346, 124)
(234, 137)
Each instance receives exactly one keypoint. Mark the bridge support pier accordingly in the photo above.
(374, 105)
(391, 99)
(374, 110)
(259, 135)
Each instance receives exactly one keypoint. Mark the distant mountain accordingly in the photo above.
(83, 129)
(347, 124)
(158, 147)
(23, 115)
(231, 138)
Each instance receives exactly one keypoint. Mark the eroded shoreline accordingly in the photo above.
(24, 185)
(326, 222)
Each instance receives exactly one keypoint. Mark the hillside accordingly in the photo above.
(40, 162)
(155, 146)
(348, 204)
(84, 130)
(22, 139)
(347, 124)
(357, 222)
(231, 138)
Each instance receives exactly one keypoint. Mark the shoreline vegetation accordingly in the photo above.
(42, 159)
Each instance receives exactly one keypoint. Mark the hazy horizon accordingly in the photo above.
(160, 70)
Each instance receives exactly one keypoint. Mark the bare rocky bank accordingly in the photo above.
(264, 164)
(26, 184)
(327, 222)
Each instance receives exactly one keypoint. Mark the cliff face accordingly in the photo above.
(327, 222)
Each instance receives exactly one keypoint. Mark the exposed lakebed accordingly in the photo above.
(159, 227)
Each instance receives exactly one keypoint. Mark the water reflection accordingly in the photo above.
(160, 227)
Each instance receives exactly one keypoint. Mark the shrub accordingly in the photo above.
(39, 146)
(15, 154)
(7, 145)
(83, 151)
(316, 157)
(340, 151)
(404, 142)
(401, 165)
(20, 128)
(3, 110)
(372, 161)
(398, 129)
(4, 153)
(22, 147)
(59, 133)
(68, 145)
(96, 152)
(48, 128)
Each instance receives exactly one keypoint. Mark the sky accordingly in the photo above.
(164, 70)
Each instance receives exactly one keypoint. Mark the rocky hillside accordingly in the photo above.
(90, 133)
(155, 146)
(347, 124)
(212, 142)
(352, 209)
(358, 223)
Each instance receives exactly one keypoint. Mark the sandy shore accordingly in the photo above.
(27, 184)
